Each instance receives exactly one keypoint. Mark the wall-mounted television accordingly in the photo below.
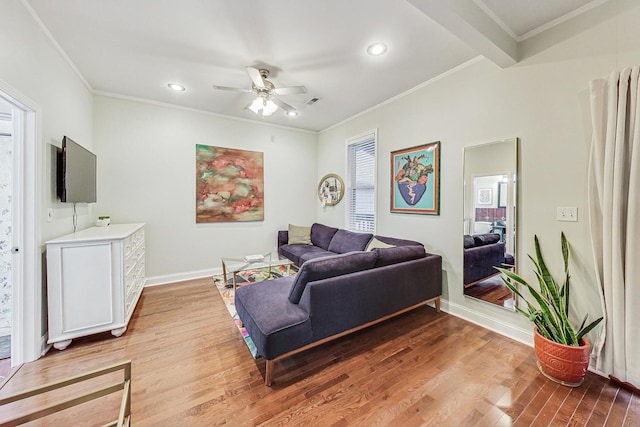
(76, 175)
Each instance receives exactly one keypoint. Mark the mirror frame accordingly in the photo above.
(324, 195)
(511, 216)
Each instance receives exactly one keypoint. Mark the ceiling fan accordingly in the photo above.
(266, 101)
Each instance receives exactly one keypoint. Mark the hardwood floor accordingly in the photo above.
(191, 368)
(491, 290)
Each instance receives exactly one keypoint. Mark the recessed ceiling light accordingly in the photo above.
(176, 86)
(377, 49)
(292, 113)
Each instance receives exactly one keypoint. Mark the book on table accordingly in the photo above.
(254, 258)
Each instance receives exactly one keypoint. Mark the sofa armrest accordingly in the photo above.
(283, 237)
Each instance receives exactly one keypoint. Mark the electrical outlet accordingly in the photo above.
(567, 214)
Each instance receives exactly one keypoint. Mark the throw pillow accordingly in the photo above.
(299, 235)
(375, 243)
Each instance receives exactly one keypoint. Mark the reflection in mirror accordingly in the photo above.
(490, 172)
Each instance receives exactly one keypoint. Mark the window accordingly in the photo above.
(361, 186)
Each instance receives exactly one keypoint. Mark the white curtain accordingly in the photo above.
(614, 208)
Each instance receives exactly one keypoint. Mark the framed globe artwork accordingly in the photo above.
(415, 179)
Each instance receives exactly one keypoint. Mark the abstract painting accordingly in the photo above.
(229, 184)
(415, 179)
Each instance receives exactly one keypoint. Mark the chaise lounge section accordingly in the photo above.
(372, 279)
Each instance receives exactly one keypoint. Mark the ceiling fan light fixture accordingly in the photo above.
(269, 108)
(377, 49)
(176, 87)
(257, 105)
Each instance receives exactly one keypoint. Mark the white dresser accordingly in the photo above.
(94, 279)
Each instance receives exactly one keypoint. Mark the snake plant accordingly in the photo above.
(551, 313)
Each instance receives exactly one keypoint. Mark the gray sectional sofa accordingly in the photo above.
(341, 287)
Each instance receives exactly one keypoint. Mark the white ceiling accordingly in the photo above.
(521, 18)
(135, 48)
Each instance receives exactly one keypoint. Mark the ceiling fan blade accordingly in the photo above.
(286, 107)
(289, 90)
(232, 89)
(254, 73)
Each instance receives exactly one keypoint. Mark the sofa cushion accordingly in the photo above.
(388, 256)
(469, 241)
(398, 242)
(375, 243)
(275, 325)
(347, 241)
(486, 239)
(295, 252)
(321, 235)
(315, 253)
(331, 266)
(299, 235)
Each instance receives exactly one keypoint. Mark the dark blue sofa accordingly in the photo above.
(482, 253)
(340, 288)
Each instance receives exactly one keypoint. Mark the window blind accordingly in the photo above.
(361, 208)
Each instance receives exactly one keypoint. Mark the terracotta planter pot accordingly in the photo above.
(564, 364)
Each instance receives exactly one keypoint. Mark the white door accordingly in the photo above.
(6, 233)
(25, 254)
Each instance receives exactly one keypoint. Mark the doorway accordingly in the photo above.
(24, 241)
(6, 240)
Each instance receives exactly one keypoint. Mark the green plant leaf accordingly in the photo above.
(583, 331)
(550, 313)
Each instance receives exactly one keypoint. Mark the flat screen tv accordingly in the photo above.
(76, 177)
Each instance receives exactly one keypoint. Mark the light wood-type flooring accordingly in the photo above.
(192, 368)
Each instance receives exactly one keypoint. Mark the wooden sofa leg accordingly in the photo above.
(268, 373)
(437, 305)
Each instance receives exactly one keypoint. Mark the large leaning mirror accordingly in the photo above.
(490, 183)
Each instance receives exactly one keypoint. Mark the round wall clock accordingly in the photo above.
(330, 189)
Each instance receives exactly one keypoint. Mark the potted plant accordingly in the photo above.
(562, 351)
(103, 221)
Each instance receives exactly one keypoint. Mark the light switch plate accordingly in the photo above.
(567, 214)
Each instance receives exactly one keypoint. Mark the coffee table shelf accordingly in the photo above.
(235, 265)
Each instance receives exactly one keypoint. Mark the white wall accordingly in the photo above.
(34, 71)
(31, 65)
(146, 173)
(543, 100)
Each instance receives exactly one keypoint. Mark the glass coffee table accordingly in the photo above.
(268, 260)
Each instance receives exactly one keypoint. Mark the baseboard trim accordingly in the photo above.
(44, 347)
(524, 336)
(181, 277)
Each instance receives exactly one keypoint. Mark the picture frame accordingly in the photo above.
(502, 194)
(485, 196)
(415, 179)
(229, 184)
(330, 189)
